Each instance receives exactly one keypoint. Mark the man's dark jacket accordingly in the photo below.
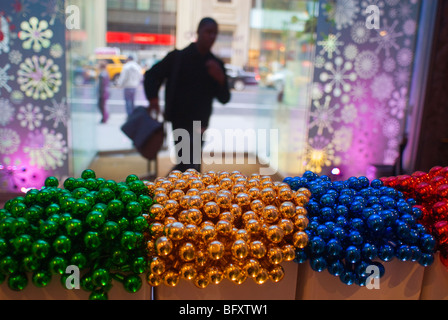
(190, 90)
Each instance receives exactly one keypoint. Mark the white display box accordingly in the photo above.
(401, 281)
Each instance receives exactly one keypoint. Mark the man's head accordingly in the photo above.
(207, 33)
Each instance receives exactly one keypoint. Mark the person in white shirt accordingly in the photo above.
(130, 78)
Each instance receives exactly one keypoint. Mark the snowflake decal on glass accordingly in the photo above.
(342, 139)
(6, 112)
(387, 38)
(46, 149)
(359, 33)
(35, 34)
(331, 45)
(366, 64)
(39, 77)
(320, 153)
(30, 116)
(4, 31)
(398, 103)
(58, 112)
(338, 75)
(15, 57)
(382, 87)
(5, 77)
(323, 116)
(9, 141)
(343, 13)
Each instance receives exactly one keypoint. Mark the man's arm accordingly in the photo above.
(154, 78)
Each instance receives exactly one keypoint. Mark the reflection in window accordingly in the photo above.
(129, 4)
(143, 5)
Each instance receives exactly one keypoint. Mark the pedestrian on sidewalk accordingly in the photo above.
(130, 79)
(103, 91)
(194, 77)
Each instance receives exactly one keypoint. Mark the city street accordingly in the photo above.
(252, 97)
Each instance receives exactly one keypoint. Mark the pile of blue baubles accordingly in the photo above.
(357, 223)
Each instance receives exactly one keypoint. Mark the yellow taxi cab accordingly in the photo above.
(114, 65)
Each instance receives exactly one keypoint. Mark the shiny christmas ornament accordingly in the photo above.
(240, 249)
(215, 275)
(187, 252)
(216, 250)
(164, 246)
(257, 249)
(171, 278)
(276, 274)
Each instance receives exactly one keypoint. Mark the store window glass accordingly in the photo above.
(143, 4)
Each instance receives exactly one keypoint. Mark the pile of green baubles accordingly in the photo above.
(94, 224)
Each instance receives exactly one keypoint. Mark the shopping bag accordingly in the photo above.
(147, 134)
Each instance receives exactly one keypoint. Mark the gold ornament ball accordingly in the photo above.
(276, 274)
(224, 227)
(253, 226)
(288, 210)
(164, 246)
(257, 249)
(232, 272)
(188, 271)
(194, 216)
(270, 214)
(252, 268)
(300, 239)
(171, 278)
(208, 233)
(240, 249)
(157, 266)
(242, 199)
(216, 250)
(287, 226)
(191, 232)
(176, 195)
(201, 258)
(176, 231)
(201, 280)
(187, 252)
(301, 222)
(275, 234)
(157, 212)
(153, 280)
(212, 209)
(262, 276)
(215, 275)
(275, 255)
(289, 253)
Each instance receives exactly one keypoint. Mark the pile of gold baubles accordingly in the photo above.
(223, 225)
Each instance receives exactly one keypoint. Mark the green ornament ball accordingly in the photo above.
(111, 230)
(100, 277)
(88, 174)
(51, 182)
(41, 278)
(30, 263)
(40, 249)
(22, 244)
(98, 295)
(17, 281)
(130, 178)
(74, 227)
(79, 259)
(86, 282)
(92, 240)
(133, 209)
(62, 245)
(8, 265)
(139, 265)
(57, 265)
(95, 219)
(132, 283)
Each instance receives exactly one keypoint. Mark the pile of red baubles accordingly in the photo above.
(430, 191)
